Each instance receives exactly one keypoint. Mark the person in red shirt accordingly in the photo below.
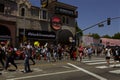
(80, 49)
(74, 54)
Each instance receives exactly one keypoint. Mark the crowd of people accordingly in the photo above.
(51, 53)
(29, 51)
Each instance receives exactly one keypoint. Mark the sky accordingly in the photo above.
(91, 12)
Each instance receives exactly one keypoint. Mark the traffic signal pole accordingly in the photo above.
(99, 23)
(108, 20)
(94, 25)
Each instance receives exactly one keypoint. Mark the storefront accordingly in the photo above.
(37, 35)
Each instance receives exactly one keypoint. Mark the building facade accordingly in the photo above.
(52, 21)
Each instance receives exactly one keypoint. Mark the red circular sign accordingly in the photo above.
(56, 23)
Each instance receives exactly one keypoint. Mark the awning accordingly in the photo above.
(63, 36)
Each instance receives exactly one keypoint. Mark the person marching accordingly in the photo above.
(26, 60)
(89, 52)
(10, 57)
(1, 57)
(108, 55)
(80, 49)
(2, 53)
(116, 55)
(30, 48)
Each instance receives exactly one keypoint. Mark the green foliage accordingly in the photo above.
(116, 36)
(78, 29)
(95, 36)
(106, 36)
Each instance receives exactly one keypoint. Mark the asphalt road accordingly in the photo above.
(95, 69)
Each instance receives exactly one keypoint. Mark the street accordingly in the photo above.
(94, 69)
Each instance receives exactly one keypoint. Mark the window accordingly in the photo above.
(34, 12)
(44, 14)
(65, 20)
(2, 7)
(23, 12)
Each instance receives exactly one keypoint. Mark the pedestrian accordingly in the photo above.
(80, 50)
(108, 55)
(30, 48)
(10, 57)
(116, 55)
(89, 51)
(26, 60)
(74, 54)
(55, 53)
(59, 51)
(1, 57)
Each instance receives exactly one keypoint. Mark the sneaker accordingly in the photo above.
(24, 71)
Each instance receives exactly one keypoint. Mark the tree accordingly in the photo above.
(78, 29)
(106, 36)
(116, 36)
(95, 36)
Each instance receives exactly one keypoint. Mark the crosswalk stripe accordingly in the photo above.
(102, 64)
(96, 61)
(86, 61)
(99, 63)
(66, 67)
(37, 69)
(115, 71)
(103, 67)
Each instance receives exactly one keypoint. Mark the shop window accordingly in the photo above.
(2, 7)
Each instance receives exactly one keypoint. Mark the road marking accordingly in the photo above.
(115, 71)
(103, 67)
(66, 67)
(98, 63)
(94, 62)
(37, 69)
(88, 72)
(86, 61)
(26, 77)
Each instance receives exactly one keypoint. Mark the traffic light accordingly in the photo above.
(108, 21)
